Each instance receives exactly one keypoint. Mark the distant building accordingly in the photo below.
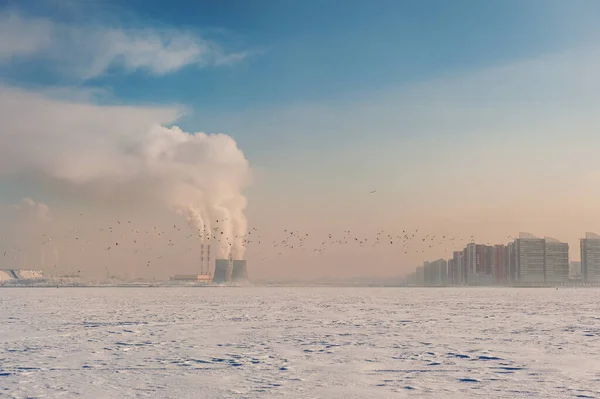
(239, 271)
(471, 258)
(590, 258)
(478, 260)
(534, 260)
(223, 268)
(499, 264)
(428, 273)
(442, 271)
(511, 254)
(420, 276)
(436, 272)
(529, 259)
(556, 261)
(458, 268)
(191, 277)
(574, 270)
(488, 260)
(462, 261)
(451, 272)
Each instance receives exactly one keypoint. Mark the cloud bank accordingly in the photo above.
(88, 52)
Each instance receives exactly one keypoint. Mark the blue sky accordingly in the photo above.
(316, 51)
(330, 99)
(321, 50)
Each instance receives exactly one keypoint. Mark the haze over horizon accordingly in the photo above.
(457, 119)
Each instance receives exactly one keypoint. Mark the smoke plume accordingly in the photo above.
(124, 155)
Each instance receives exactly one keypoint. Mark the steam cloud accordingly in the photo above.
(127, 154)
(31, 209)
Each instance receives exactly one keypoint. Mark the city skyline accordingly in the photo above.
(527, 260)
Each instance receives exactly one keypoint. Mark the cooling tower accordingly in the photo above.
(222, 271)
(239, 271)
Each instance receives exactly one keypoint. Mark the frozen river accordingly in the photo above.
(299, 343)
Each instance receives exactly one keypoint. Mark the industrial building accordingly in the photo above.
(191, 277)
(204, 275)
(590, 258)
(239, 271)
(223, 269)
(228, 270)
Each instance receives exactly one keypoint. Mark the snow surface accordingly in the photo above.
(299, 342)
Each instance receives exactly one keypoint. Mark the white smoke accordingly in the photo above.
(126, 155)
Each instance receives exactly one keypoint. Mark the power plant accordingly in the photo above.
(199, 278)
(239, 271)
(222, 271)
(228, 270)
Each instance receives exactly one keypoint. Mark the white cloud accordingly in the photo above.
(89, 51)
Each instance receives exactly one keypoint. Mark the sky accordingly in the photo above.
(468, 118)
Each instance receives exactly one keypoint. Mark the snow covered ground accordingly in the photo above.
(299, 343)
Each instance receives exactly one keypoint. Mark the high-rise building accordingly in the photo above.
(488, 260)
(534, 260)
(556, 261)
(479, 259)
(458, 267)
(451, 272)
(590, 258)
(471, 258)
(464, 266)
(479, 264)
(427, 273)
(499, 264)
(529, 259)
(511, 256)
(441, 266)
(436, 272)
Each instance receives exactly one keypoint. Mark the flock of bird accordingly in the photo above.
(153, 242)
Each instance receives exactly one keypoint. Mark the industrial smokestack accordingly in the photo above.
(239, 271)
(222, 271)
(127, 156)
